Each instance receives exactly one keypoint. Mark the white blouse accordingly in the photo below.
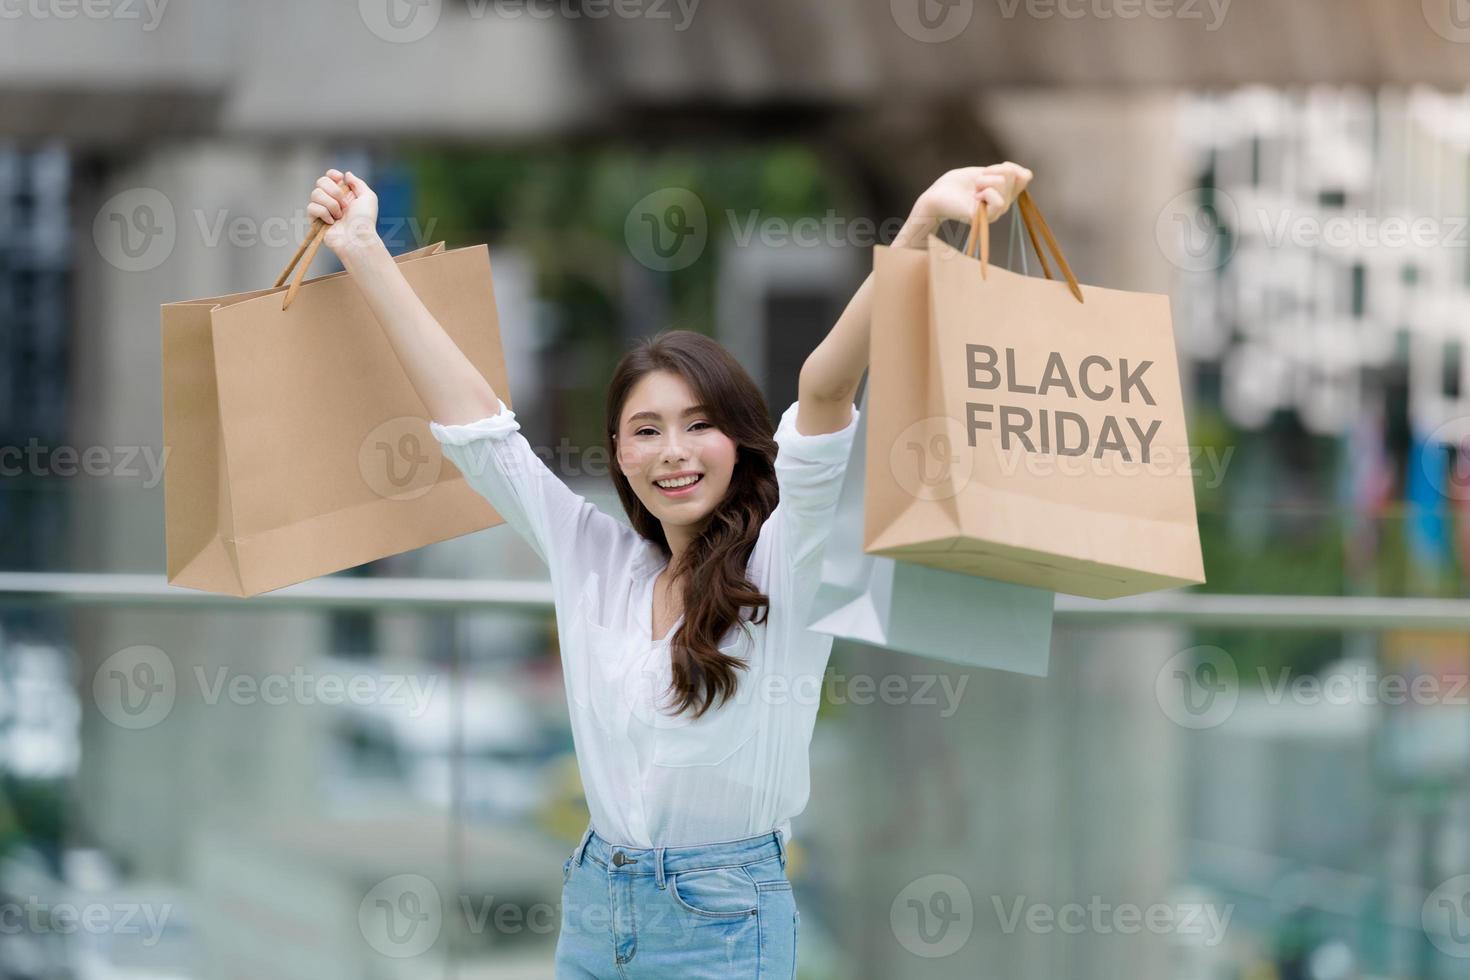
(654, 779)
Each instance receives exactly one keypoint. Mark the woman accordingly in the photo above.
(692, 684)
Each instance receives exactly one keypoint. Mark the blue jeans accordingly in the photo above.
(716, 911)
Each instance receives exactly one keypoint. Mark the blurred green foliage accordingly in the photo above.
(566, 207)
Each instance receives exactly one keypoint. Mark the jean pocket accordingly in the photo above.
(717, 893)
(566, 869)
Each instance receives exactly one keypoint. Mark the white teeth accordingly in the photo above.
(683, 481)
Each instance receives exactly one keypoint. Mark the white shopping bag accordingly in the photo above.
(916, 609)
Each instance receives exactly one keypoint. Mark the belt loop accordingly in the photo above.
(780, 848)
(582, 847)
(658, 867)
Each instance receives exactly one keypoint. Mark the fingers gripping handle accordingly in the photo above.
(1031, 217)
(305, 252)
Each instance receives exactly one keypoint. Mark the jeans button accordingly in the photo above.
(620, 859)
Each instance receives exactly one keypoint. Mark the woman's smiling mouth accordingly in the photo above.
(680, 486)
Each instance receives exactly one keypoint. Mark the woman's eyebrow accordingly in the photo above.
(696, 410)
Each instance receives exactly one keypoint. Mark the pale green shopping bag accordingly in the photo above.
(908, 608)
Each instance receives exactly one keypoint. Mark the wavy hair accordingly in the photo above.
(713, 567)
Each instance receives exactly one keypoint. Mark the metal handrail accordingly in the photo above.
(1181, 607)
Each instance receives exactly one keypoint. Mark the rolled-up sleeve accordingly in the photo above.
(809, 473)
(500, 465)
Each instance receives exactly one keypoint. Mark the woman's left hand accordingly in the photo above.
(954, 195)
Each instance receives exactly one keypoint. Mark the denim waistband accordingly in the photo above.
(659, 861)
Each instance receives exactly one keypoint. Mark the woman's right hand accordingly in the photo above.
(351, 214)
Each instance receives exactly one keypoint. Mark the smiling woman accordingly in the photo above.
(676, 627)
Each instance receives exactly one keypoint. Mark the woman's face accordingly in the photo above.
(663, 434)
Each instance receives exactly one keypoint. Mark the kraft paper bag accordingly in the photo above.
(1026, 429)
(296, 443)
(919, 610)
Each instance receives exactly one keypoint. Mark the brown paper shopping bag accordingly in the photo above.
(296, 444)
(1026, 429)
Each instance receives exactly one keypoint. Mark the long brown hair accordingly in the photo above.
(713, 566)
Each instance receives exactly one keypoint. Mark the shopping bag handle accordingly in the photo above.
(305, 252)
(1031, 217)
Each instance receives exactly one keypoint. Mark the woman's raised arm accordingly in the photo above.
(450, 386)
(830, 376)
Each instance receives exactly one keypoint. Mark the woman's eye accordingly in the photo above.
(648, 431)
